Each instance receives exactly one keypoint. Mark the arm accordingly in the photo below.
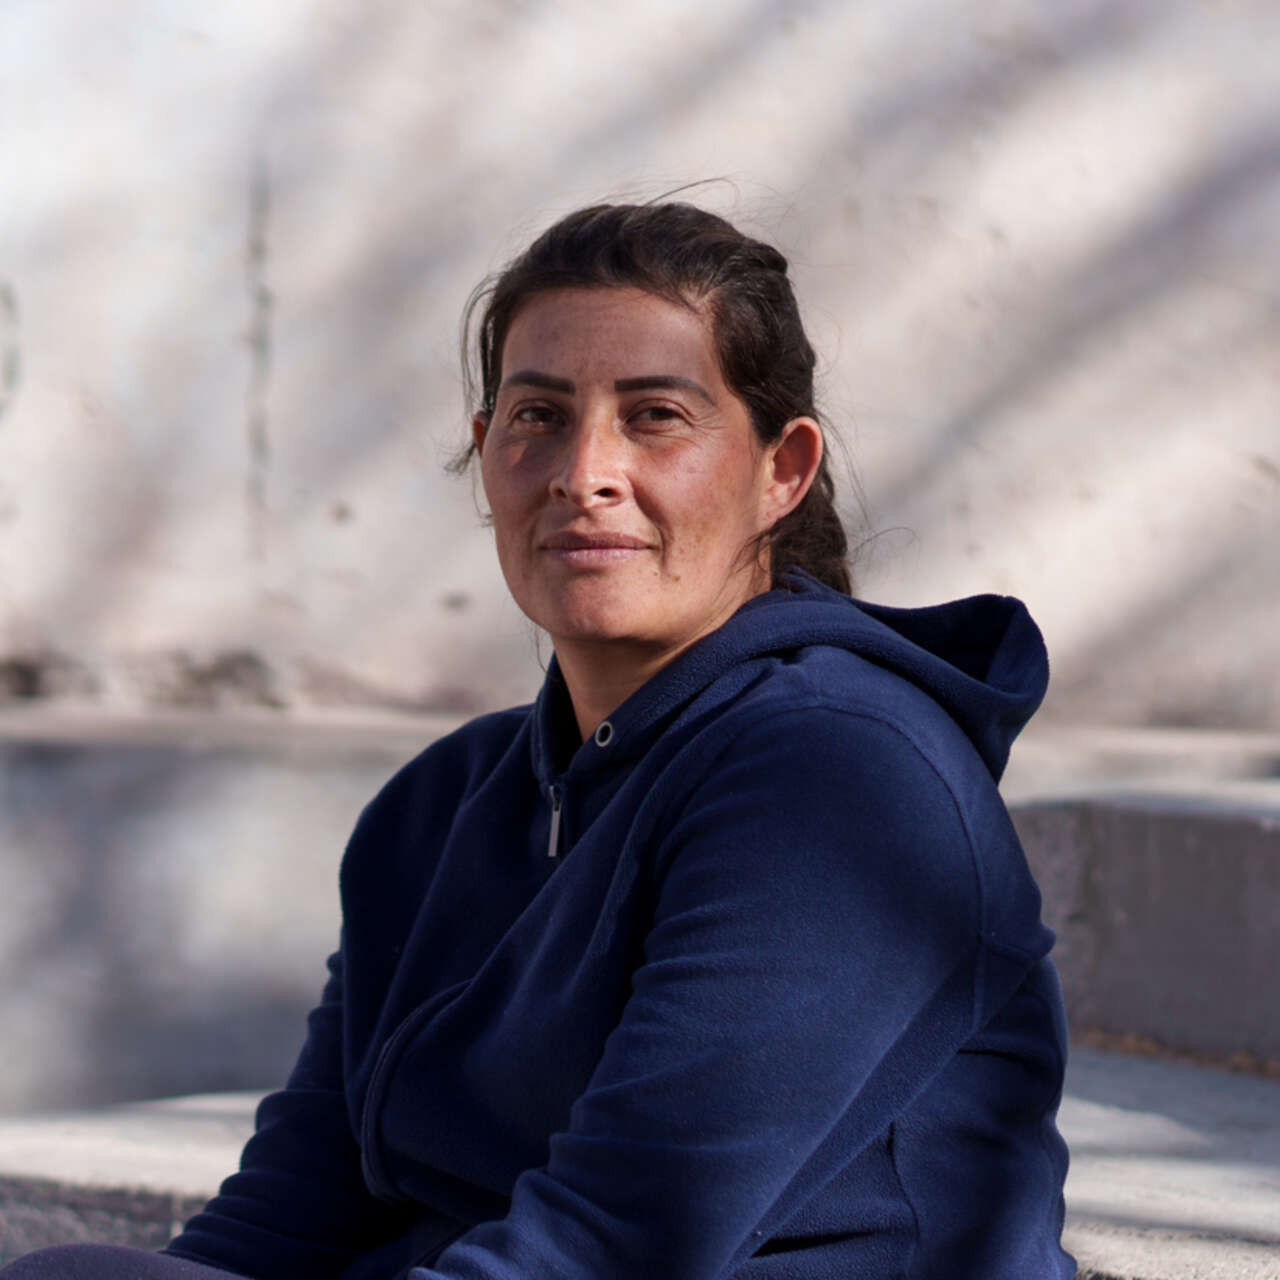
(810, 966)
(299, 1205)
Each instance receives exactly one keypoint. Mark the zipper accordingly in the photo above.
(556, 793)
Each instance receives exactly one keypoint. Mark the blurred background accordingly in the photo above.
(1036, 246)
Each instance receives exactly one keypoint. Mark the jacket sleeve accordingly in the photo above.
(811, 964)
(298, 1207)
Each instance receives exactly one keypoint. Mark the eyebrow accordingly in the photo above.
(647, 382)
(532, 378)
(658, 381)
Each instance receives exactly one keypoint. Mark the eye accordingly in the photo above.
(656, 416)
(536, 415)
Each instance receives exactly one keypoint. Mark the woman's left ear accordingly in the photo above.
(792, 462)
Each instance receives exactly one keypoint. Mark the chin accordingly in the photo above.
(590, 614)
(596, 629)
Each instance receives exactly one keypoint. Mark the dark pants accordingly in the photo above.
(106, 1262)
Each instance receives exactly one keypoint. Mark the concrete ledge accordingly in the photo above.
(129, 1174)
(138, 854)
(1165, 909)
(174, 1146)
(1175, 1171)
(1056, 761)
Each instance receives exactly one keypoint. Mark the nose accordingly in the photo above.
(591, 469)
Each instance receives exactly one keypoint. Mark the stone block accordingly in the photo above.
(1167, 911)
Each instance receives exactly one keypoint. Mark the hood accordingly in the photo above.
(982, 659)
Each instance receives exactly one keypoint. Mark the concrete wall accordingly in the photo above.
(1035, 242)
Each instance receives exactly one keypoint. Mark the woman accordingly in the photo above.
(722, 959)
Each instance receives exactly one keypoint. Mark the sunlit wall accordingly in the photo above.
(1037, 245)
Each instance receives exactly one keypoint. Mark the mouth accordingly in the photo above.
(595, 549)
(601, 540)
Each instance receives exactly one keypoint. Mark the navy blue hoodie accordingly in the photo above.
(752, 984)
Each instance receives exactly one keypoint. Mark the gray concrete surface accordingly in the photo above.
(139, 854)
(1175, 1170)
(1166, 908)
(129, 1174)
(170, 897)
(1055, 761)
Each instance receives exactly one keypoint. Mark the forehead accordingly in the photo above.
(610, 331)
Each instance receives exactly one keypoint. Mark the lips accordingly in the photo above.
(592, 551)
(597, 540)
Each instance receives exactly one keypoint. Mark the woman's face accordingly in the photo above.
(626, 483)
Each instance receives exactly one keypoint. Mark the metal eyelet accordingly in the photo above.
(603, 734)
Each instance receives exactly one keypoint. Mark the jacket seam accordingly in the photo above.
(906, 1195)
(374, 1166)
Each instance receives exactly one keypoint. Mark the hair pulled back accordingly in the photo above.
(689, 256)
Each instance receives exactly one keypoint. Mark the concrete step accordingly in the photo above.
(125, 1174)
(1058, 761)
(1175, 1170)
(1165, 908)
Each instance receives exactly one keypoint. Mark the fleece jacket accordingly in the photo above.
(752, 983)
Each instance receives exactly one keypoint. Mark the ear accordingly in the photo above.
(479, 426)
(791, 463)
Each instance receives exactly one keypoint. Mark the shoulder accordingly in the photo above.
(826, 704)
(831, 760)
(829, 747)
(827, 758)
(825, 826)
(821, 763)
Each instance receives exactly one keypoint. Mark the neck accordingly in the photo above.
(601, 677)
(602, 674)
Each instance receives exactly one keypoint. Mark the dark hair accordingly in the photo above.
(683, 253)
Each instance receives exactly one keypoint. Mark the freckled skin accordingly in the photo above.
(625, 518)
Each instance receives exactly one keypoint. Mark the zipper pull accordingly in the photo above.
(557, 798)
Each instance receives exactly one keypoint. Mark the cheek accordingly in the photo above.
(514, 475)
(711, 515)
(499, 492)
